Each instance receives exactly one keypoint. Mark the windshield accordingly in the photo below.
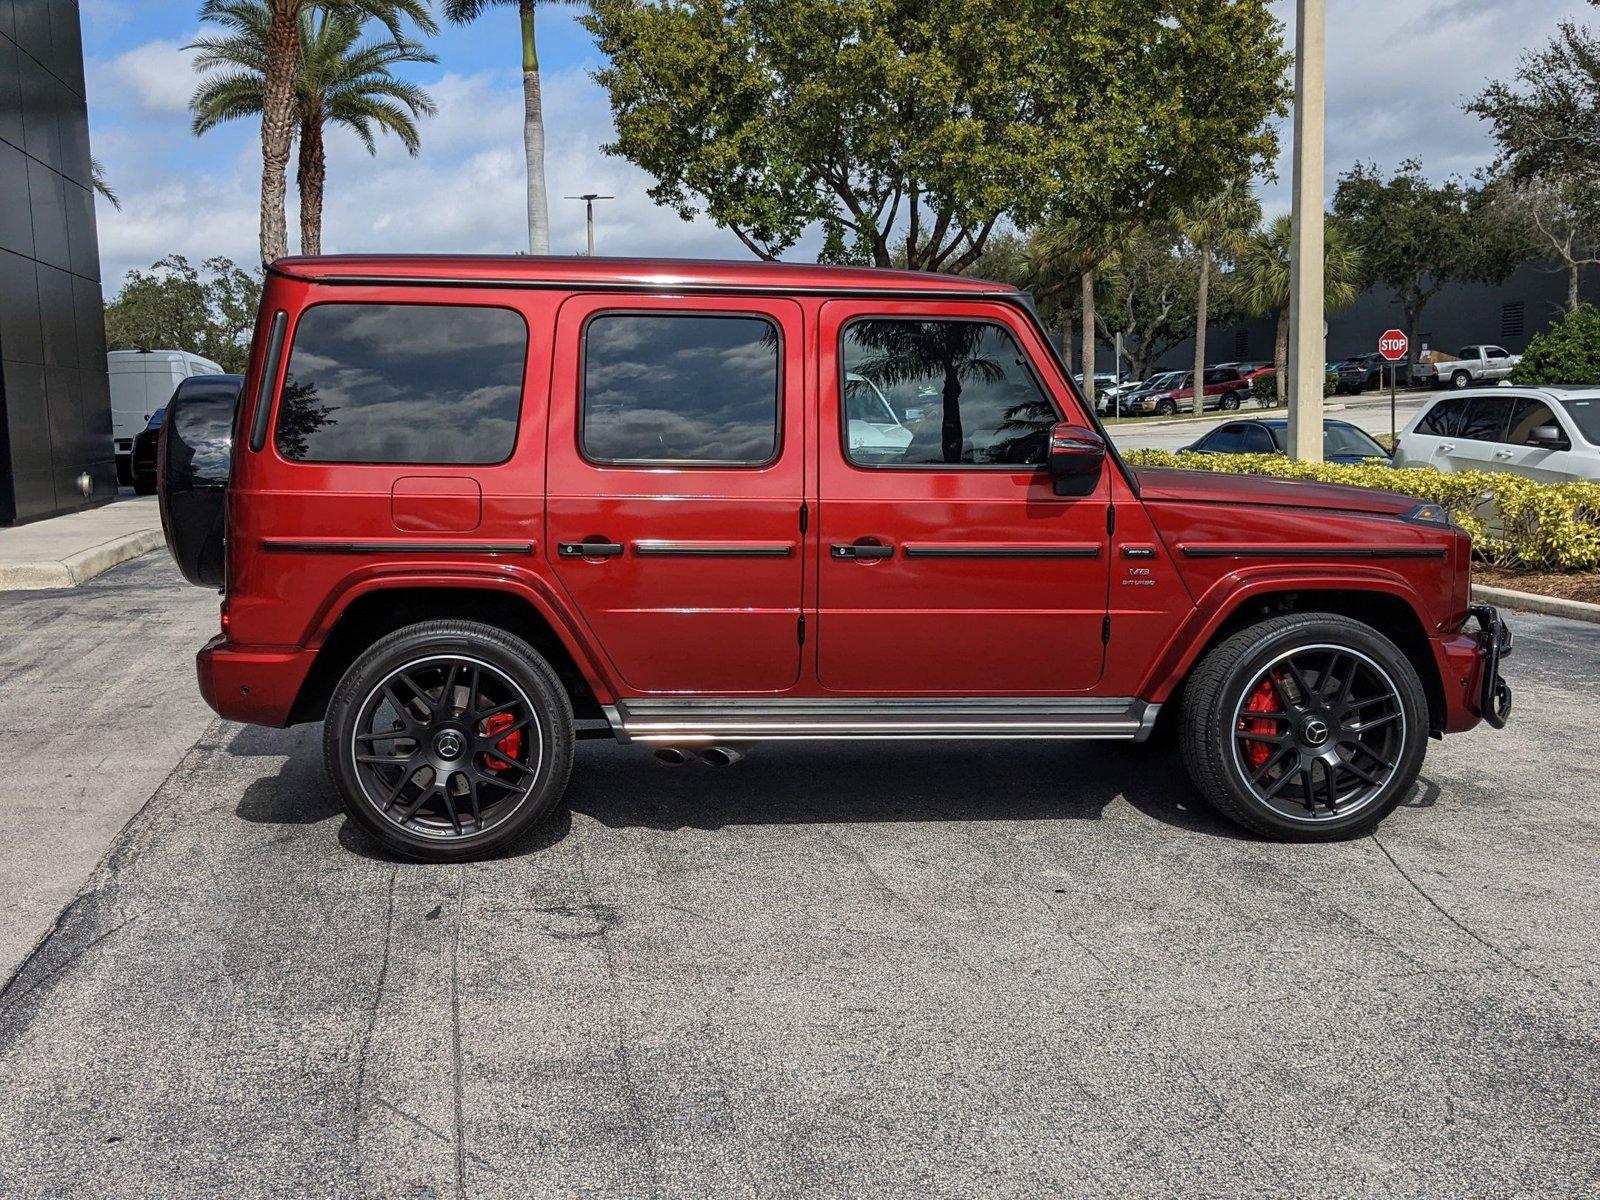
(1585, 414)
(1348, 441)
(864, 402)
(1171, 379)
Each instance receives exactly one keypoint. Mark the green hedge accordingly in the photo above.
(1569, 353)
(1542, 526)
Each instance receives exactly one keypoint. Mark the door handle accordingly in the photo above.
(860, 550)
(588, 549)
(1448, 447)
(1502, 454)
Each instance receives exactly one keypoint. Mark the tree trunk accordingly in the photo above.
(1574, 294)
(1087, 314)
(533, 137)
(952, 440)
(277, 127)
(1281, 362)
(1200, 328)
(312, 178)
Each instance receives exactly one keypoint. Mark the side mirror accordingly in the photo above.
(194, 461)
(1077, 456)
(1549, 437)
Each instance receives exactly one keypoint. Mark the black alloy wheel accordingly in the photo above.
(449, 739)
(1305, 726)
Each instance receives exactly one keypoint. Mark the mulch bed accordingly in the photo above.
(1564, 587)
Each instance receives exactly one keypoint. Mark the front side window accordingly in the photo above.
(1527, 418)
(962, 394)
(1256, 440)
(674, 389)
(403, 383)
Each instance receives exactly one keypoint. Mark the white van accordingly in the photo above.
(141, 382)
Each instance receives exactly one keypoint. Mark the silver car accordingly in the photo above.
(1544, 433)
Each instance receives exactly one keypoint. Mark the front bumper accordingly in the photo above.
(254, 684)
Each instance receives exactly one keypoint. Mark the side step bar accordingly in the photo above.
(686, 722)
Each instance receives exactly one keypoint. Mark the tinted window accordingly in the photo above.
(1258, 441)
(1346, 440)
(680, 388)
(1444, 418)
(1495, 352)
(1486, 419)
(1227, 440)
(1528, 415)
(403, 383)
(1218, 375)
(962, 388)
(1585, 415)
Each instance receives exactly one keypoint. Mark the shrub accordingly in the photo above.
(1568, 353)
(1540, 526)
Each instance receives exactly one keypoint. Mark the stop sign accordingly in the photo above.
(1393, 345)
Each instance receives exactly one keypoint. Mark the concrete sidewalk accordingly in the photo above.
(65, 551)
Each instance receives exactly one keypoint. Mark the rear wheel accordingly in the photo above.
(1460, 380)
(1229, 402)
(449, 740)
(1305, 727)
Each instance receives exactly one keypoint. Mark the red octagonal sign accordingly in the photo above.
(1393, 345)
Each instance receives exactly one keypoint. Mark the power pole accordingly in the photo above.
(1307, 348)
(588, 199)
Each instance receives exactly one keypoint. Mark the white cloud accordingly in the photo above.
(157, 76)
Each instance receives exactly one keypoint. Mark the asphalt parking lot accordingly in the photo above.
(875, 970)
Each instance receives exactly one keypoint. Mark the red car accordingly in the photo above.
(479, 507)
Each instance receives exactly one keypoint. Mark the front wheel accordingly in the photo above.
(1165, 408)
(449, 740)
(1305, 727)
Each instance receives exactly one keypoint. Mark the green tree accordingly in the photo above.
(98, 175)
(1567, 354)
(1261, 277)
(280, 75)
(917, 125)
(342, 81)
(1559, 216)
(1219, 223)
(1149, 293)
(1415, 237)
(462, 11)
(174, 306)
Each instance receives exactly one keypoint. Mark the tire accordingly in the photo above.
(1236, 759)
(1460, 379)
(500, 780)
(1166, 408)
(1229, 402)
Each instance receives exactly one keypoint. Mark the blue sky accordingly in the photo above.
(1398, 70)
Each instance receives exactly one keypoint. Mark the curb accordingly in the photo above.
(80, 567)
(1549, 606)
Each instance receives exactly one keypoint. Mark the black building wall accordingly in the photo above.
(55, 408)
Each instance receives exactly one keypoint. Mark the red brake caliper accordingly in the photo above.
(510, 746)
(1263, 699)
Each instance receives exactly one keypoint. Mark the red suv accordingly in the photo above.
(480, 507)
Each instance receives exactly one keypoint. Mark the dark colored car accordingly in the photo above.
(479, 507)
(225, 387)
(1364, 371)
(1342, 442)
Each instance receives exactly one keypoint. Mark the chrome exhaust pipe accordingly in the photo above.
(720, 756)
(672, 756)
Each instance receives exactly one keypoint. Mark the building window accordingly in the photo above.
(1241, 345)
(1512, 320)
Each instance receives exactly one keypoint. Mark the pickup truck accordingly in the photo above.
(1474, 364)
(471, 510)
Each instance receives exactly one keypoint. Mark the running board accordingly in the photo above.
(692, 722)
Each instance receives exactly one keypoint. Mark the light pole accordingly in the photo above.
(1307, 354)
(588, 199)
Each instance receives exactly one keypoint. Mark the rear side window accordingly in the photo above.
(403, 383)
(1444, 418)
(675, 389)
(1486, 419)
(962, 393)
(1227, 440)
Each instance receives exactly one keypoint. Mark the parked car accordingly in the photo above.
(1109, 401)
(1544, 433)
(1223, 388)
(141, 381)
(477, 501)
(1342, 442)
(1473, 364)
(1364, 371)
(224, 387)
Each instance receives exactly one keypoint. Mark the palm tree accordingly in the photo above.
(1262, 274)
(339, 82)
(461, 12)
(280, 71)
(912, 352)
(98, 174)
(1218, 225)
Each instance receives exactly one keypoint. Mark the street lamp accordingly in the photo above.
(1307, 333)
(588, 199)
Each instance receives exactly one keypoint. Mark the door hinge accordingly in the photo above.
(1111, 518)
(805, 517)
(1105, 630)
(800, 631)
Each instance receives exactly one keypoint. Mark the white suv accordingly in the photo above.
(1544, 433)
